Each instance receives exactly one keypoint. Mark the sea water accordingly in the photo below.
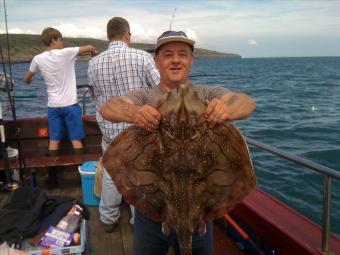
(298, 111)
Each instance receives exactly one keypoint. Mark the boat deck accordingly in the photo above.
(119, 242)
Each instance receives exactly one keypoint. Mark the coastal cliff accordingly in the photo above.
(23, 47)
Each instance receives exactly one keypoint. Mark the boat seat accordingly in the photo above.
(34, 143)
(48, 161)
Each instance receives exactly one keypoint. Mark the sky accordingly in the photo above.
(248, 28)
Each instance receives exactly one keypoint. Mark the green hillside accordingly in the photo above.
(23, 47)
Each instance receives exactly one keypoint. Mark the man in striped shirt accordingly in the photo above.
(174, 57)
(115, 72)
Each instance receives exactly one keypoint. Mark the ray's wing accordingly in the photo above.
(229, 177)
(133, 162)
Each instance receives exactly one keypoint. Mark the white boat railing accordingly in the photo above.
(328, 174)
(88, 89)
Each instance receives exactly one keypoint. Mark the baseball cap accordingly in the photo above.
(173, 36)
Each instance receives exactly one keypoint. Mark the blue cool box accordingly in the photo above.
(87, 172)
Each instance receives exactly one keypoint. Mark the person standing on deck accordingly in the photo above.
(174, 57)
(57, 66)
(115, 72)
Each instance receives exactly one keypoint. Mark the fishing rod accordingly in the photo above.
(7, 38)
(243, 234)
(172, 19)
(12, 104)
(9, 84)
(4, 152)
(9, 184)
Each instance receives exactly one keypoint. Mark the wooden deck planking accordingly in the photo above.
(49, 161)
(224, 245)
(126, 229)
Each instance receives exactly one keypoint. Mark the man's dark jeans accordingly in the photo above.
(148, 238)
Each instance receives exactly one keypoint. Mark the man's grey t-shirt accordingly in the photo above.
(152, 96)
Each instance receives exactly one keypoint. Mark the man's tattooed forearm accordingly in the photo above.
(232, 100)
(124, 104)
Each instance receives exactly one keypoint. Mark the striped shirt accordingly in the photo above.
(115, 72)
(152, 96)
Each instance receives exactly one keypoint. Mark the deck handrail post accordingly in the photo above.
(84, 101)
(326, 220)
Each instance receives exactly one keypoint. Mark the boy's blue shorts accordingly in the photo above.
(68, 117)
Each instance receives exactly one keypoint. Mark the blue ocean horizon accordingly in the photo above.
(298, 111)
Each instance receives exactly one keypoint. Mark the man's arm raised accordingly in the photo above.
(28, 77)
(87, 48)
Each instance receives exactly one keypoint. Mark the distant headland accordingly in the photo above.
(23, 47)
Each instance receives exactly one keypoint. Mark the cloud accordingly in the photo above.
(139, 33)
(70, 30)
(192, 34)
(16, 31)
(252, 42)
